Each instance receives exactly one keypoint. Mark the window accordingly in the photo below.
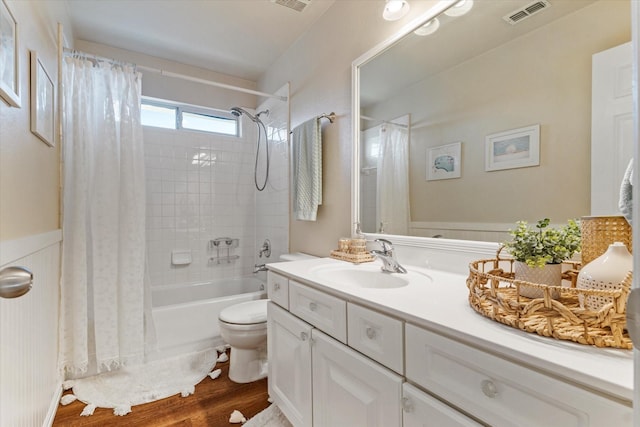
(158, 116)
(167, 115)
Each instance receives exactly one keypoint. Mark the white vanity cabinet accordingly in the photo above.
(335, 361)
(317, 380)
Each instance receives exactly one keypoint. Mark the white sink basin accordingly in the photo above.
(367, 276)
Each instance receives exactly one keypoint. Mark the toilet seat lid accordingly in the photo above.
(245, 313)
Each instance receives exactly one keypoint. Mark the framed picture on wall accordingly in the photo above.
(9, 61)
(444, 161)
(515, 148)
(42, 101)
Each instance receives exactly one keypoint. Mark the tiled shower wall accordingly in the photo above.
(272, 204)
(200, 186)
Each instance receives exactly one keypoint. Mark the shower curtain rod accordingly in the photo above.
(95, 59)
(166, 73)
(210, 82)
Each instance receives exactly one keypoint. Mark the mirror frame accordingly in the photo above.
(478, 247)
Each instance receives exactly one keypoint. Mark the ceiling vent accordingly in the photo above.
(526, 11)
(297, 5)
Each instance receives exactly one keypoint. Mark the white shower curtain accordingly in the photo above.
(103, 248)
(393, 179)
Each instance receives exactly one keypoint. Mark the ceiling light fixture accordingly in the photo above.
(460, 8)
(395, 9)
(430, 27)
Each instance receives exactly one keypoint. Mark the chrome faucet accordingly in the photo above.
(259, 267)
(389, 262)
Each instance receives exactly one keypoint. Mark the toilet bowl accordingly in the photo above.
(244, 327)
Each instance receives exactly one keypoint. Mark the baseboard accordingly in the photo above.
(53, 407)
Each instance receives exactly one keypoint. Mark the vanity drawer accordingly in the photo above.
(500, 392)
(325, 312)
(278, 289)
(418, 406)
(376, 335)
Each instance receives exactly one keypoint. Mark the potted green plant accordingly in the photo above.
(540, 251)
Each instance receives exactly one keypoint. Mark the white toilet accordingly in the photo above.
(244, 327)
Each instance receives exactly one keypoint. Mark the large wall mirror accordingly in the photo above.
(467, 123)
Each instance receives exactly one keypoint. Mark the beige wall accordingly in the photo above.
(543, 77)
(29, 170)
(318, 67)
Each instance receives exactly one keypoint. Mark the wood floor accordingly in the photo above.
(210, 406)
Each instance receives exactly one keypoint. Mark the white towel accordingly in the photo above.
(624, 203)
(306, 152)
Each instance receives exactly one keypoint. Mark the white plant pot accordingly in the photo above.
(549, 274)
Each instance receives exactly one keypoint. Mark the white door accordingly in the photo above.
(611, 126)
(422, 410)
(350, 389)
(289, 348)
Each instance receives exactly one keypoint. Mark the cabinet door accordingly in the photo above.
(350, 389)
(422, 410)
(289, 348)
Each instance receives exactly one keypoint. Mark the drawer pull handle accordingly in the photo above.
(489, 388)
(313, 306)
(276, 286)
(371, 333)
(303, 336)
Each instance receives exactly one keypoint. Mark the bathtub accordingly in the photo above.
(186, 316)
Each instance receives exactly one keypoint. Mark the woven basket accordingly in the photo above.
(598, 232)
(354, 258)
(494, 293)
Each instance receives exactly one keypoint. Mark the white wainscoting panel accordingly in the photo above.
(30, 384)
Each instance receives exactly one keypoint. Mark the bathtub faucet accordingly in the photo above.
(259, 267)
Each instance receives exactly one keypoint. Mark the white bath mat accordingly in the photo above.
(135, 385)
(270, 417)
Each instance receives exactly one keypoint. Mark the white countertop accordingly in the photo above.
(442, 306)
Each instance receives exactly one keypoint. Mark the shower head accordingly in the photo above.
(237, 111)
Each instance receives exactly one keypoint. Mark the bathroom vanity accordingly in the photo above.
(349, 345)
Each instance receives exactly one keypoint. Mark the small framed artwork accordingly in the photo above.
(443, 162)
(515, 148)
(42, 101)
(9, 61)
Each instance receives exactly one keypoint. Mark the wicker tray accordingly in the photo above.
(494, 293)
(354, 258)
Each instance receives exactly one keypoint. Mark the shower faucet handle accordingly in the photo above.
(266, 249)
